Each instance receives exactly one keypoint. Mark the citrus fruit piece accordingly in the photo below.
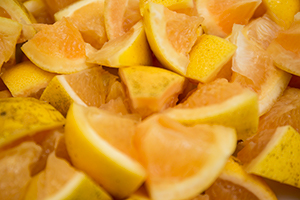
(151, 89)
(22, 116)
(26, 79)
(99, 143)
(235, 183)
(88, 17)
(9, 33)
(177, 166)
(57, 48)
(285, 51)
(219, 102)
(56, 5)
(284, 112)
(170, 4)
(219, 16)
(15, 10)
(89, 87)
(120, 16)
(282, 11)
(274, 154)
(254, 68)
(60, 180)
(208, 56)
(39, 11)
(262, 31)
(171, 35)
(127, 50)
(15, 169)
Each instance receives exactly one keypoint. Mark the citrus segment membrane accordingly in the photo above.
(181, 162)
(171, 35)
(254, 68)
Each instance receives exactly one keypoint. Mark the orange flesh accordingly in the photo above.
(226, 190)
(132, 15)
(181, 30)
(96, 83)
(290, 42)
(212, 93)
(117, 130)
(286, 111)
(255, 145)
(228, 13)
(179, 151)
(122, 15)
(58, 172)
(90, 22)
(61, 40)
(57, 5)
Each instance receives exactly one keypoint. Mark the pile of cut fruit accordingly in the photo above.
(149, 99)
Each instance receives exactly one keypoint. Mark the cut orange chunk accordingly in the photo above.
(15, 169)
(285, 50)
(208, 56)
(151, 89)
(26, 79)
(130, 49)
(274, 154)
(9, 33)
(120, 16)
(235, 183)
(39, 10)
(182, 162)
(220, 15)
(60, 180)
(15, 10)
(253, 67)
(282, 11)
(100, 144)
(171, 35)
(22, 117)
(90, 87)
(88, 17)
(57, 48)
(219, 102)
